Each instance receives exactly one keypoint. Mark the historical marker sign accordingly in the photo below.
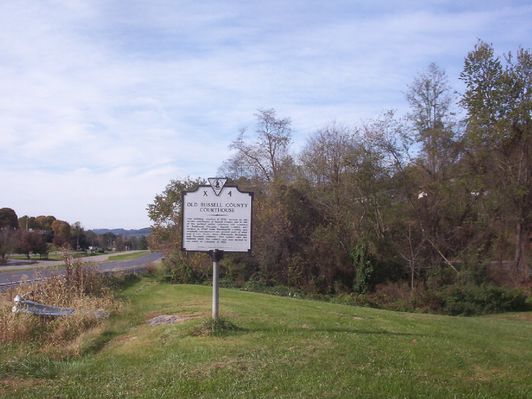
(217, 217)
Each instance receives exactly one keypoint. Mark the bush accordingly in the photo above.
(151, 268)
(227, 282)
(364, 264)
(184, 269)
(465, 300)
(256, 284)
(470, 299)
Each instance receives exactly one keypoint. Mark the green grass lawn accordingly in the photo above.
(286, 348)
(131, 256)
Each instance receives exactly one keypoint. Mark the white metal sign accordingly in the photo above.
(217, 217)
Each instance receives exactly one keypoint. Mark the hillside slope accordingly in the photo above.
(287, 348)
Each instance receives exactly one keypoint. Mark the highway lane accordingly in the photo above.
(9, 278)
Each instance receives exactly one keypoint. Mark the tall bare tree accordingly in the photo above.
(429, 97)
(266, 156)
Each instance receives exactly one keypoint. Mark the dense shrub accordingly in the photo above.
(182, 268)
(256, 284)
(228, 282)
(364, 264)
(469, 300)
(455, 299)
(465, 300)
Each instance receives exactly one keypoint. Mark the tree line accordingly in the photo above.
(436, 197)
(42, 234)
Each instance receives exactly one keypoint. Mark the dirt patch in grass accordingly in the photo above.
(482, 374)
(171, 319)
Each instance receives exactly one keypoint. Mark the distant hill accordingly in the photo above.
(126, 233)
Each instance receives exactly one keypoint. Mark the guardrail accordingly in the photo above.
(39, 309)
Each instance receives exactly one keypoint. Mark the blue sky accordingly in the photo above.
(105, 101)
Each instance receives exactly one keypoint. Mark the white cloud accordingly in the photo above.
(132, 96)
(110, 199)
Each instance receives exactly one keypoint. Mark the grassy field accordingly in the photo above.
(285, 348)
(52, 256)
(130, 256)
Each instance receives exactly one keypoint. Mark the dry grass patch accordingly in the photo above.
(83, 289)
(13, 384)
(483, 374)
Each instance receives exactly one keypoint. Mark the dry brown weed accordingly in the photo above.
(84, 289)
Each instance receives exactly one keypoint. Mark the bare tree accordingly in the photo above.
(267, 156)
(429, 98)
(325, 157)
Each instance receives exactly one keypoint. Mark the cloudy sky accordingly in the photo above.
(103, 102)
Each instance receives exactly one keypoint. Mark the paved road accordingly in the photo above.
(15, 264)
(9, 278)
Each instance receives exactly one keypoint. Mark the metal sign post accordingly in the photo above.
(216, 257)
(216, 219)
